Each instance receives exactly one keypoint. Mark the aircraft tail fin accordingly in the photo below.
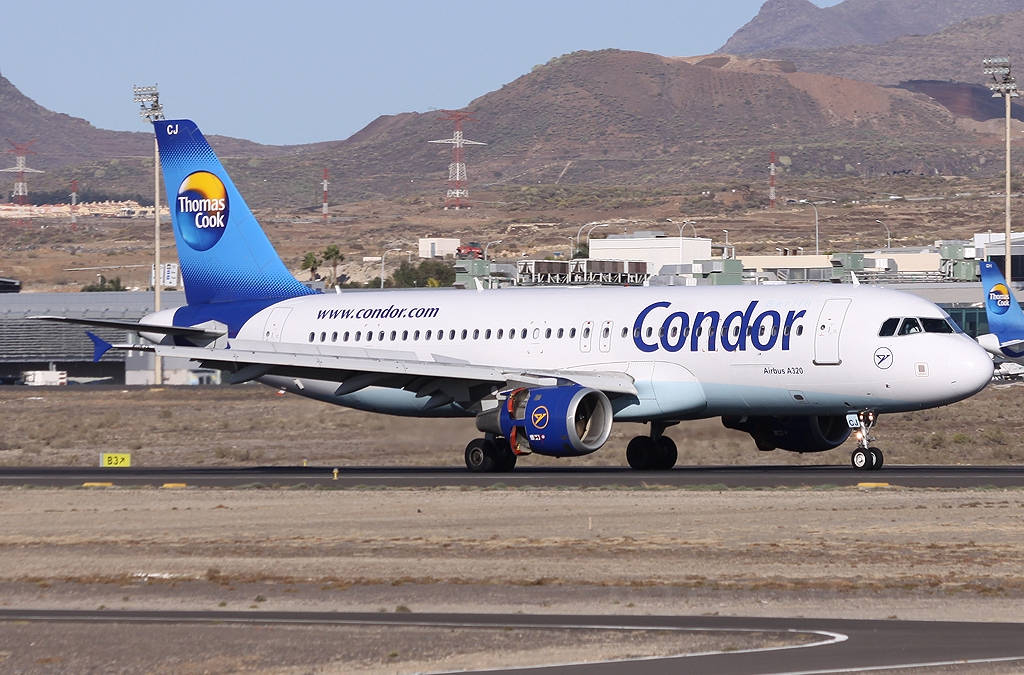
(222, 250)
(1005, 317)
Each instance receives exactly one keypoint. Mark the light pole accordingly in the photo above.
(571, 244)
(384, 255)
(489, 281)
(153, 113)
(578, 232)
(817, 250)
(725, 250)
(888, 234)
(692, 224)
(589, 232)
(1004, 85)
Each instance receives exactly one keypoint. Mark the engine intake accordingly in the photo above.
(813, 433)
(562, 421)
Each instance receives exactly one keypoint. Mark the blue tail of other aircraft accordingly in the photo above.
(1005, 317)
(223, 252)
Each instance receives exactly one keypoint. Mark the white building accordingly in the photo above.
(437, 247)
(655, 251)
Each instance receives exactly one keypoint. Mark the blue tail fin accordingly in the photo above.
(223, 253)
(1005, 317)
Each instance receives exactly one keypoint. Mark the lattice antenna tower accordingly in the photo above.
(457, 196)
(20, 151)
(74, 204)
(771, 182)
(325, 183)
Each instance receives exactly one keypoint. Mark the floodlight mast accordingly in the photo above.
(1003, 84)
(151, 110)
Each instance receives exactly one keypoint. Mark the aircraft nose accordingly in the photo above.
(970, 369)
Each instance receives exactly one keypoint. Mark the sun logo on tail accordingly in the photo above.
(998, 299)
(201, 210)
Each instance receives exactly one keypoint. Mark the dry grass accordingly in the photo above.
(252, 424)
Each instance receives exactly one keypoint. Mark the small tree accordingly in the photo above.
(332, 256)
(312, 263)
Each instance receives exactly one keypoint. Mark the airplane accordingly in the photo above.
(1005, 317)
(548, 370)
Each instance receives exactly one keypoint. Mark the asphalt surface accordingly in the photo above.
(839, 645)
(349, 477)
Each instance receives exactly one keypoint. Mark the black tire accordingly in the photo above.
(861, 459)
(506, 458)
(667, 454)
(642, 453)
(481, 456)
(877, 458)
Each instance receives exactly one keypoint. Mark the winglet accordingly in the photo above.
(99, 346)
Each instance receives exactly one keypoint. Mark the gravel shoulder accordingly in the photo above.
(847, 553)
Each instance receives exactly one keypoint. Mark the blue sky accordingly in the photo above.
(300, 71)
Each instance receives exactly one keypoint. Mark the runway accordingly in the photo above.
(404, 477)
(836, 645)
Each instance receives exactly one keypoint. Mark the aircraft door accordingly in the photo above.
(275, 323)
(606, 336)
(586, 336)
(827, 331)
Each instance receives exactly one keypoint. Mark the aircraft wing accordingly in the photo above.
(135, 326)
(443, 379)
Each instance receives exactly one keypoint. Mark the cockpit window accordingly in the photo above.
(936, 325)
(889, 327)
(910, 326)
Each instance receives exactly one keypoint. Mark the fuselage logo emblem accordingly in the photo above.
(883, 357)
(540, 417)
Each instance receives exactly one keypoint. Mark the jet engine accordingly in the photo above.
(799, 434)
(562, 421)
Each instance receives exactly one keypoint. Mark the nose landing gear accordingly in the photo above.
(865, 458)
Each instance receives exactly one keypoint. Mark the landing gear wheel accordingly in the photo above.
(667, 454)
(481, 456)
(860, 458)
(642, 453)
(877, 459)
(506, 458)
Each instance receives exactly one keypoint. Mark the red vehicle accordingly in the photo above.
(470, 250)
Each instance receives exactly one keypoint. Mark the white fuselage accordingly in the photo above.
(776, 350)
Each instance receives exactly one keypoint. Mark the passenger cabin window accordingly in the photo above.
(910, 326)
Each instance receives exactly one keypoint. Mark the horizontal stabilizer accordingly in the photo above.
(188, 331)
(99, 346)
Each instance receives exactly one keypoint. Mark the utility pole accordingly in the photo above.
(1004, 85)
(152, 113)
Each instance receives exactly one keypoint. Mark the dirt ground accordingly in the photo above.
(849, 553)
(251, 424)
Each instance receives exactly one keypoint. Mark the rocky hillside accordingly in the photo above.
(800, 24)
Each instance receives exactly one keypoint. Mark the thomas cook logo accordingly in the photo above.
(998, 299)
(540, 417)
(201, 210)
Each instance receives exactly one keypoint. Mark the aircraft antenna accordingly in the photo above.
(457, 196)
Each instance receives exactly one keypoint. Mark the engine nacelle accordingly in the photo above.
(562, 421)
(812, 433)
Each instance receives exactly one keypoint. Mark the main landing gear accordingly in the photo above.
(656, 452)
(491, 454)
(866, 458)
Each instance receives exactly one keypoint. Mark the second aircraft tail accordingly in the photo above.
(1005, 317)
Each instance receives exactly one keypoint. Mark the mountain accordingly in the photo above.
(62, 140)
(604, 118)
(954, 53)
(800, 24)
